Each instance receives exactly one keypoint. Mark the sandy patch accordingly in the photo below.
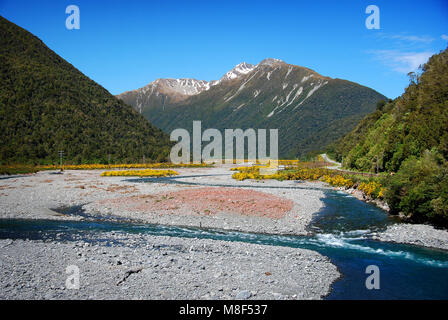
(208, 201)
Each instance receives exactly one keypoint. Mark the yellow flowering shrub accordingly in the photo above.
(372, 189)
(297, 174)
(288, 162)
(381, 193)
(332, 177)
(140, 173)
(338, 181)
(246, 173)
(125, 166)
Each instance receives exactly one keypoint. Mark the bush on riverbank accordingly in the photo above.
(140, 173)
(419, 190)
(290, 174)
(338, 181)
(371, 187)
(17, 169)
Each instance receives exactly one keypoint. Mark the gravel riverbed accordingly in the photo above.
(32, 196)
(118, 265)
(150, 267)
(417, 234)
(129, 266)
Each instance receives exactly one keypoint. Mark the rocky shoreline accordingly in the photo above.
(361, 196)
(416, 234)
(404, 232)
(130, 266)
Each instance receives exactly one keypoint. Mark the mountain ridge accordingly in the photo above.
(239, 70)
(297, 100)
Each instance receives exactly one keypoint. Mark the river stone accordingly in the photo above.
(243, 295)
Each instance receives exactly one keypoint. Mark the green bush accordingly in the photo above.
(419, 189)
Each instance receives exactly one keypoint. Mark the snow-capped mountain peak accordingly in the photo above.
(239, 70)
(186, 87)
(270, 62)
(179, 89)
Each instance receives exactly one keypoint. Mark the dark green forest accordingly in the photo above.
(407, 138)
(47, 105)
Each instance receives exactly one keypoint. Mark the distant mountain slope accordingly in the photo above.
(309, 110)
(47, 105)
(409, 125)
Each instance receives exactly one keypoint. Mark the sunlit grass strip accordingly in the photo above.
(140, 173)
(124, 166)
(17, 169)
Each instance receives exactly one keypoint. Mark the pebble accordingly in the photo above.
(243, 295)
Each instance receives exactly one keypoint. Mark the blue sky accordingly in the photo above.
(124, 45)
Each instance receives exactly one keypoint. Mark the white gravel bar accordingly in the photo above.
(150, 267)
(417, 234)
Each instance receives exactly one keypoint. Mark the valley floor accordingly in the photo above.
(156, 267)
(184, 268)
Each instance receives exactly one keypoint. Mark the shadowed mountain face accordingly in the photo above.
(309, 110)
(47, 105)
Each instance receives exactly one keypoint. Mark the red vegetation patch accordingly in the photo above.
(208, 201)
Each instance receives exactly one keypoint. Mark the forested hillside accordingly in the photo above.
(47, 105)
(408, 138)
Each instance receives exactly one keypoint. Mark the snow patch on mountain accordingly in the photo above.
(270, 62)
(180, 89)
(239, 70)
(305, 78)
(240, 106)
(298, 93)
(241, 87)
(186, 87)
(289, 71)
(310, 93)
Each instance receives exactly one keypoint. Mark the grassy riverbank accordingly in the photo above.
(25, 168)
